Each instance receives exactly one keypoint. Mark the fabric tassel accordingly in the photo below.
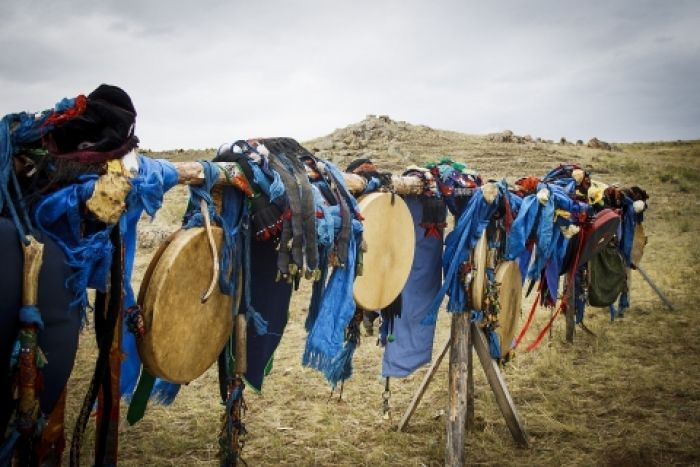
(325, 341)
(434, 216)
(165, 392)
(8, 448)
(340, 368)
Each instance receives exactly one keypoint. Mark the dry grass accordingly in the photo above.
(629, 396)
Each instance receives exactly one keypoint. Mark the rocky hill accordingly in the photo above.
(397, 144)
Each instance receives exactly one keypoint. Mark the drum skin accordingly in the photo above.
(390, 239)
(477, 288)
(183, 335)
(509, 283)
(638, 244)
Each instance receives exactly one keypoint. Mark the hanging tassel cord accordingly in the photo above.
(564, 303)
(386, 396)
(530, 316)
(106, 316)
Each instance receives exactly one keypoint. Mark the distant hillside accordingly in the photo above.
(394, 145)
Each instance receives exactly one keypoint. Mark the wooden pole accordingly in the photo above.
(570, 312)
(191, 173)
(470, 383)
(499, 388)
(423, 386)
(458, 377)
(658, 291)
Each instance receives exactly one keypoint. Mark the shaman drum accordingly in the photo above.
(183, 335)
(477, 288)
(509, 283)
(638, 244)
(390, 239)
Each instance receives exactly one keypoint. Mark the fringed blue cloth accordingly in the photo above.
(326, 227)
(459, 244)
(58, 215)
(539, 221)
(629, 222)
(522, 228)
(154, 179)
(324, 346)
(17, 129)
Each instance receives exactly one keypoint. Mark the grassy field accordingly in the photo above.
(630, 395)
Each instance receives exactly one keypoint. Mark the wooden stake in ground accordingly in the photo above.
(499, 388)
(458, 384)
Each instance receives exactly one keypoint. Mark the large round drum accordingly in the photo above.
(477, 288)
(390, 238)
(509, 283)
(183, 336)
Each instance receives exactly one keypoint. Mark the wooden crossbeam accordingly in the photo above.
(191, 173)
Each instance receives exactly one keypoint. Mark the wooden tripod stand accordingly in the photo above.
(460, 414)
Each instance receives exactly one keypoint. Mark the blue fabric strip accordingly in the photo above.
(413, 343)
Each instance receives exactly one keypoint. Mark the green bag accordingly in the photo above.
(607, 276)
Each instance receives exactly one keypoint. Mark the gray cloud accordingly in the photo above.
(204, 72)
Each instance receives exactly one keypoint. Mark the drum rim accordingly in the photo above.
(146, 302)
(365, 199)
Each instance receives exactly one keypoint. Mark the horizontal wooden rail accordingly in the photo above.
(190, 173)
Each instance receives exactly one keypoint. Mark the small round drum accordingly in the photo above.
(510, 298)
(183, 336)
(477, 288)
(390, 238)
(638, 244)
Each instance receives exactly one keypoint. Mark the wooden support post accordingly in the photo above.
(570, 312)
(499, 388)
(470, 382)
(241, 344)
(423, 386)
(457, 395)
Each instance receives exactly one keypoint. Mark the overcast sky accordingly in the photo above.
(205, 72)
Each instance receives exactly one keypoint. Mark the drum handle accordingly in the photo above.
(214, 254)
(241, 344)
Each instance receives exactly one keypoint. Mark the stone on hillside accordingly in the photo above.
(507, 136)
(595, 143)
